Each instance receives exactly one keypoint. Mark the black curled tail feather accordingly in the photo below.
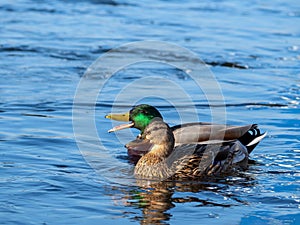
(251, 138)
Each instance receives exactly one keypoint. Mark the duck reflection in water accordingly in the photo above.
(156, 200)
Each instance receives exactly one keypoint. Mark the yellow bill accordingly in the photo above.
(118, 117)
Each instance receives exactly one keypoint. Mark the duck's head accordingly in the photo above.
(159, 139)
(139, 117)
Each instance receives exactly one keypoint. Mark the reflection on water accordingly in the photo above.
(155, 201)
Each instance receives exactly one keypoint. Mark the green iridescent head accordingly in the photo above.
(141, 115)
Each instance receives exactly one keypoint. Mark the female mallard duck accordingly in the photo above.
(140, 117)
(187, 160)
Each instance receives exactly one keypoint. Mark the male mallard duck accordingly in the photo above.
(140, 117)
(187, 160)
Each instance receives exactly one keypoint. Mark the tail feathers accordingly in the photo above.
(252, 138)
(257, 139)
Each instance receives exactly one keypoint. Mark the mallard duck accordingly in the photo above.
(140, 117)
(165, 161)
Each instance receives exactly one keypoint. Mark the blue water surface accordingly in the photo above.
(253, 49)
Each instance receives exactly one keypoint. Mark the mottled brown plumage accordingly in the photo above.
(188, 160)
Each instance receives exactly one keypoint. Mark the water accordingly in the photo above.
(253, 49)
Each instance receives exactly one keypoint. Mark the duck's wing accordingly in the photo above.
(194, 160)
(199, 132)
